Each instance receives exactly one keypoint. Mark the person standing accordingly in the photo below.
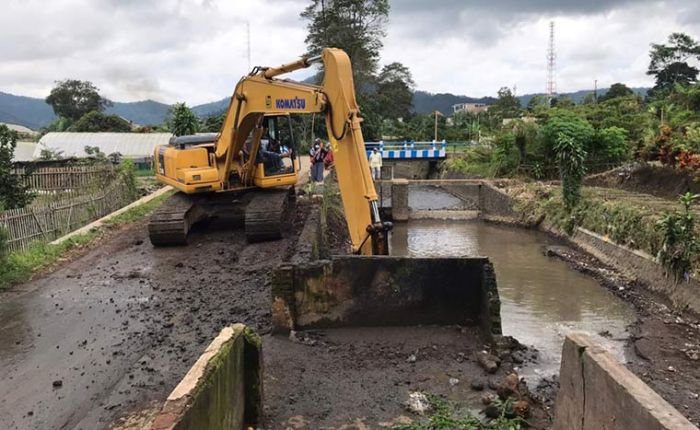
(375, 164)
(318, 154)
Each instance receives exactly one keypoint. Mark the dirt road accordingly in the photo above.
(115, 329)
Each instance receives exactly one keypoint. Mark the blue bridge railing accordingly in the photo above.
(412, 149)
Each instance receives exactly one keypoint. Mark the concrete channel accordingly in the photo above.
(344, 340)
(324, 303)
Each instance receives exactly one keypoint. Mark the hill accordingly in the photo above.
(35, 113)
(27, 111)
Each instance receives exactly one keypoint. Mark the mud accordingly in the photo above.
(664, 344)
(360, 378)
(114, 330)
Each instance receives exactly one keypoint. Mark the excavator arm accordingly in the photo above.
(261, 94)
(230, 163)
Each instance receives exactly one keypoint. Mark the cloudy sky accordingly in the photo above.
(195, 50)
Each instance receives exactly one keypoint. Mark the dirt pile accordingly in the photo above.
(660, 181)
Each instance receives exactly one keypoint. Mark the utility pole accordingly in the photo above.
(437, 113)
(247, 25)
(551, 66)
(595, 91)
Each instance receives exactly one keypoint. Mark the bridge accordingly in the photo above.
(409, 150)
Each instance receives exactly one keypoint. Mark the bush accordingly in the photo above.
(571, 157)
(13, 192)
(127, 174)
(93, 122)
(611, 142)
(569, 124)
(680, 243)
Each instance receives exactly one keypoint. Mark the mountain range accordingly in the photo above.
(35, 113)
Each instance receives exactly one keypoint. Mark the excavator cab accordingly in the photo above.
(277, 158)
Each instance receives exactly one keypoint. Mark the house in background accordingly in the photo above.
(24, 132)
(470, 107)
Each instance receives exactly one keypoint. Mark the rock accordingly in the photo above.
(671, 369)
(394, 422)
(488, 398)
(491, 411)
(418, 403)
(477, 385)
(522, 408)
(411, 358)
(488, 362)
(58, 383)
(508, 387)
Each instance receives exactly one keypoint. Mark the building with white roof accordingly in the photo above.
(129, 145)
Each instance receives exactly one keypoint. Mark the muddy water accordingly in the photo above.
(541, 297)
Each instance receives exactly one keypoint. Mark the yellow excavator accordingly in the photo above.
(246, 173)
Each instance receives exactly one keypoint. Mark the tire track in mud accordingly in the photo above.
(114, 330)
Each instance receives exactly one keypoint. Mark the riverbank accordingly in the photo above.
(664, 344)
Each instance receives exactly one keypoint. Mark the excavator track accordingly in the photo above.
(170, 223)
(265, 215)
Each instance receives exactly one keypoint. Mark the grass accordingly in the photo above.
(20, 266)
(627, 218)
(445, 415)
(472, 162)
(144, 173)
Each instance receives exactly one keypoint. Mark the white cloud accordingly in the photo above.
(195, 50)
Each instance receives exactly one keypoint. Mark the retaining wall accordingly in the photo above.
(641, 266)
(598, 393)
(374, 291)
(490, 202)
(222, 391)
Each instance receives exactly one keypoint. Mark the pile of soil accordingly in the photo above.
(361, 378)
(660, 181)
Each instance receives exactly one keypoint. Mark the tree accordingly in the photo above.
(356, 26)
(72, 99)
(616, 90)
(669, 63)
(612, 142)
(94, 122)
(571, 157)
(13, 192)
(182, 120)
(567, 123)
(48, 154)
(395, 91)
(507, 105)
(213, 122)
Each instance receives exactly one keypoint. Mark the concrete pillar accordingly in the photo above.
(387, 172)
(399, 199)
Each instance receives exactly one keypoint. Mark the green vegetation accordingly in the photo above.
(448, 416)
(71, 99)
(182, 121)
(96, 121)
(680, 239)
(19, 266)
(570, 156)
(127, 174)
(611, 129)
(13, 192)
(626, 218)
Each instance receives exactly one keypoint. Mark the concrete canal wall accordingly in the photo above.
(598, 393)
(223, 390)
